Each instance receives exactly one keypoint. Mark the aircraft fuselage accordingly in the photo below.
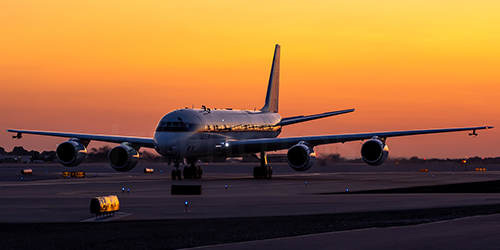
(198, 133)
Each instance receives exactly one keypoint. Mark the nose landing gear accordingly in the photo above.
(191, 172)
(176, 173)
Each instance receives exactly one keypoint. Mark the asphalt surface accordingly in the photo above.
(45, 207)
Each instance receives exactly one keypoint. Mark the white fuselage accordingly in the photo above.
(198, 133)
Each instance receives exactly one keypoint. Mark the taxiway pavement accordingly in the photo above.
(46, 196)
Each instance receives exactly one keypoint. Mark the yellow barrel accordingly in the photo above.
(26, 171)
(104, 204)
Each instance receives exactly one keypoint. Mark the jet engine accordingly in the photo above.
(71, 153)
(301, 157)
(123, 158)
(374, 152)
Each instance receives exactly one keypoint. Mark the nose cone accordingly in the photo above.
(167, 143)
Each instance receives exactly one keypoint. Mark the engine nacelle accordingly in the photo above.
(71, 153)
(123, 158)
(374, 152)
(301, 157)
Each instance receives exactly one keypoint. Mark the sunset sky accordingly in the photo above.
(116, 67)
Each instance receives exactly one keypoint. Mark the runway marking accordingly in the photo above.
(117, 216)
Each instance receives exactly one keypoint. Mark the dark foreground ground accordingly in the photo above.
(183, 233)
(51, 212)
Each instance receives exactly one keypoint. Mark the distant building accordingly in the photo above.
(14, 158)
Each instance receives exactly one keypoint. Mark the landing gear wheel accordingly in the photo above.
(265, 172)
(179, 174)
(192, 171)
(174, 175)
(269, 171)
(187, 173)
(256, 174)
(199, 172)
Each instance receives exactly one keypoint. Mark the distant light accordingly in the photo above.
(185, 203)
(227, 144)
(235, 172)
(123, 189)
(160, 170)
(22, 178)
(347, 189)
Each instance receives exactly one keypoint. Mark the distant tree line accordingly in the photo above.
(93, 155)
(336, 158)
(101, 155)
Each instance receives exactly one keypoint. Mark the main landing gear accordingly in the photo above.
(176, 173)
(191, 172)
(263, 171)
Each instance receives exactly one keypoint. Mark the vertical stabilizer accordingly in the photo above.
(273, 87)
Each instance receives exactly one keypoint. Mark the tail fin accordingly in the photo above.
(272, 97)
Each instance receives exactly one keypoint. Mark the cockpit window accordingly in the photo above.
(175, 126)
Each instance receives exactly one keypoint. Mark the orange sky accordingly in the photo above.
(116, 67)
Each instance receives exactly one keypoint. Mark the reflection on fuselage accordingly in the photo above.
(194, 127)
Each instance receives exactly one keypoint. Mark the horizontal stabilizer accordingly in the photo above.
(297, 119)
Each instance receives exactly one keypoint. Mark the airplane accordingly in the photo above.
(207, 134)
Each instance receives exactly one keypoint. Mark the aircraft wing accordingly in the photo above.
(138, 141)
(297, 119)
(270, 144)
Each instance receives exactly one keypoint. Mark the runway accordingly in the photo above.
(47, 197)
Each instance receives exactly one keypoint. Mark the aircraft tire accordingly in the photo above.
(179, 174)
(187, 173)
(265, 173)
(197, 170)
(256, 173)
(174, 175)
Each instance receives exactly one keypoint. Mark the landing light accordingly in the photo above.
(227, 144)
